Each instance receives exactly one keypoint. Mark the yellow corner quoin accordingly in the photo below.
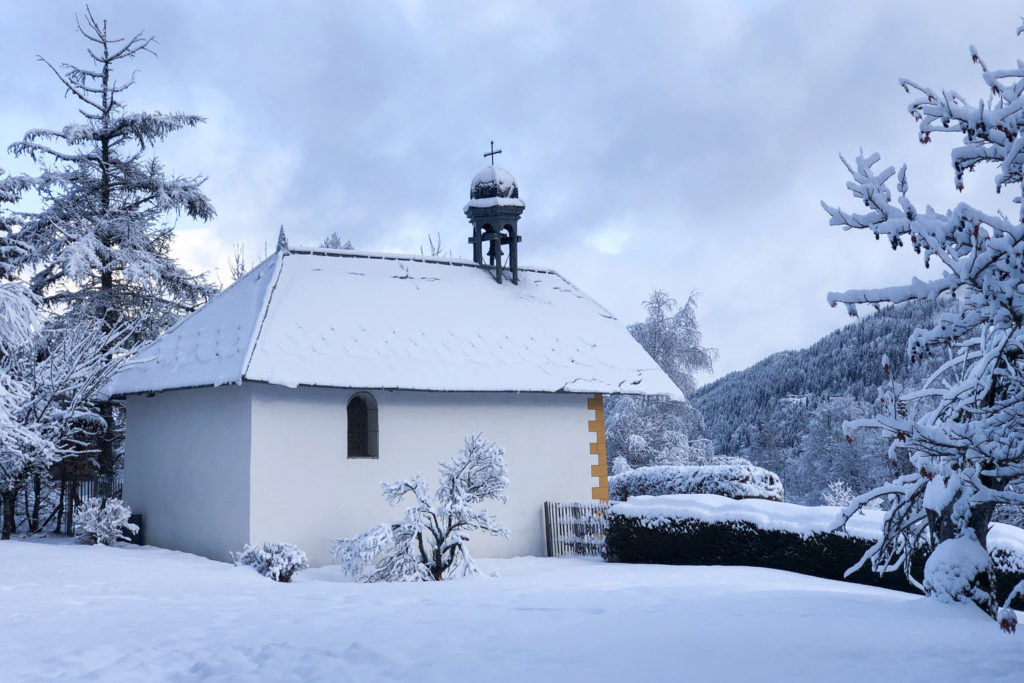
(600, 470)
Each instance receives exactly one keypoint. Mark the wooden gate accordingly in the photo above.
(575, 529)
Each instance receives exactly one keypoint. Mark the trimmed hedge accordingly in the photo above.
(683, 541)
(732, 481)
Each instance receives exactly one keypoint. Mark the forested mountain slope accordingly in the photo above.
(785, 412)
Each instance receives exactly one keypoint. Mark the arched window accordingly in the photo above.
(362, 426)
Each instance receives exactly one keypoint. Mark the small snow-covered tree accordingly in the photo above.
(963, 428)
(98, 235)
(430, 542)
(103, 520)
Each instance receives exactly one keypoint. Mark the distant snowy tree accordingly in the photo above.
(674, 340)
(963, 428)
(657, 431)
(826, 454)
(434, 248)
(837, 494)
(619, 466)
(99, 241)
(236, 264)
(650, 431)
(430, 542)
(333, 241)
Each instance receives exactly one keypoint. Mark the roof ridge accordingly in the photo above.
(394, 256)
(261, 317)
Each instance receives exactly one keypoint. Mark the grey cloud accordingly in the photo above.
(703, 135)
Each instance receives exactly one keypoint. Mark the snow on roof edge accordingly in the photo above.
(242, 381)
(262, 317)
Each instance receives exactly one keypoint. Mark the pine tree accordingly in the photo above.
(99, 247)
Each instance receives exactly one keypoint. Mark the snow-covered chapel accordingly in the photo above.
(273, 412)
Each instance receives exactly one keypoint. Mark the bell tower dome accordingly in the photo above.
(494, 208)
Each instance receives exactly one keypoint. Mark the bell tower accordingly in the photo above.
(494, 208)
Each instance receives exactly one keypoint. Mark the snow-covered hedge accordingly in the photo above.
(103, 520)
(714, 530)
(733, 481)
(279, 561)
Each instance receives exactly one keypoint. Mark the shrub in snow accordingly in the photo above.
(279, 561)
(430, 542)
(103, 520)
(837, 494)
(733, 481)
(960, 569)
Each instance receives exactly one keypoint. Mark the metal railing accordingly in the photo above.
(104, 487)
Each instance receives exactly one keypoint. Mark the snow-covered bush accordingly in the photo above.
(430, 543)
(103, 520)
(837, 494)
(961, 569)
(963, 427)
(733, 481)
(278, 561)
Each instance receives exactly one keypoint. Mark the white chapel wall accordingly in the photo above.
(187, 468)
(306, 491)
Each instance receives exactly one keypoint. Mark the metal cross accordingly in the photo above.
(492, 153)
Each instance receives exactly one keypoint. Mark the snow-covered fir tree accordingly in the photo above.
(99, 246)
(430, 543)
(963, 427)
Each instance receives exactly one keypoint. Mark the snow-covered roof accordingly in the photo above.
(343, 318)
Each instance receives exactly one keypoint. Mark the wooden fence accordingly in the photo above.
(575, 529)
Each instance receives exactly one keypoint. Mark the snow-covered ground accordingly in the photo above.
(129, 613)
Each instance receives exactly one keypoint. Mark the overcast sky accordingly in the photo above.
(678, 145)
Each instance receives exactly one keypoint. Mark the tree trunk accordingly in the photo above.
(107, 457)
(60, 501)
(37, 490)
(8, 500)
(69, 508)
